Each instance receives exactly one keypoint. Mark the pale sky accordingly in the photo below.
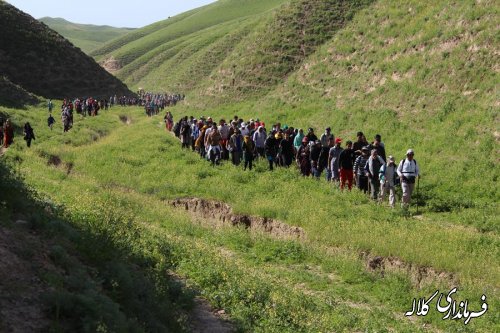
(116, 13)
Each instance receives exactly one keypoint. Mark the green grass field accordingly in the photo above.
(122, 174)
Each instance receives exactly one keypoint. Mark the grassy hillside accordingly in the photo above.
(152, 41)
(324, 282)
(87, 37)
(424, 75)
(44, 63)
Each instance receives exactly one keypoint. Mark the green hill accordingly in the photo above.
(87, 37)
(44, 63)
(422, 74)
(155, 43)
(413, 72)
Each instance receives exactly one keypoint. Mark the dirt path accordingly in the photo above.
(205, 320)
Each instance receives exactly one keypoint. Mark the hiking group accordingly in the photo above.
(7, 133)
(360, 162)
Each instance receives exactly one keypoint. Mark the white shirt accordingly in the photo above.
(408, 168)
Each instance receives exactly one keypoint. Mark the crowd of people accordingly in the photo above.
(153, 103)
(362, 163)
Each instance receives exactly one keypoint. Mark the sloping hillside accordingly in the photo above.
(87, 37)
(424, 75)
(44, 63)
(157, 42)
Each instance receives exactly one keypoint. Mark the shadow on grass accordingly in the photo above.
(108, 277)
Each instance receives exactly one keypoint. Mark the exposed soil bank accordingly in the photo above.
(419, 275)
(219, 213)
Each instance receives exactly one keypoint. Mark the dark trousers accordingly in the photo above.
(363, 183)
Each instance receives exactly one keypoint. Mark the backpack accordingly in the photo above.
(410, 179)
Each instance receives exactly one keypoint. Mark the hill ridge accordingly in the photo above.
(42, 62)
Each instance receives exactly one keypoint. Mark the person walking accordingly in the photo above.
(314, 156)
(302, 158)
(408, 172)
(333, 161)
(359, 168)
(297, 140)
(248, 152)
(8, 133)
(235, 146)
(286, 151)
(28, 134)
(375, 162)
(50, 121)
(271, 151)
(346, 165)
(387, 176)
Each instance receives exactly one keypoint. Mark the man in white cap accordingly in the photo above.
(408, 172)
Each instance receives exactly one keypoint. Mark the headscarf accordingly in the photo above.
(297, 141)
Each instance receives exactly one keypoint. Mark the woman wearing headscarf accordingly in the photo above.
(297, 141)
(286, 150)
(8, 133)
(302, 158)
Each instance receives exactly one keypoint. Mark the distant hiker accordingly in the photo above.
(360, 143)
(346, 165)
(387, 175)
(359, 169)
(50, 121)
(380, 149)
(169, 121)
(286, 150)
(314, 156)
(248, 152)
(200, 142)
(224, 134)
(213, 142)
(270, 149)
(297, 140)
(8, 134)
(235, 146)
(333, 160)
(177, 129)
(50, 105)
(259, 139)
(302, 158)
(375, 162)
(66, 119)
(408, 171)
(311, 136)
(185, 132)
(326, 139)
(28, 134)
(378, 138)
(195, 133)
